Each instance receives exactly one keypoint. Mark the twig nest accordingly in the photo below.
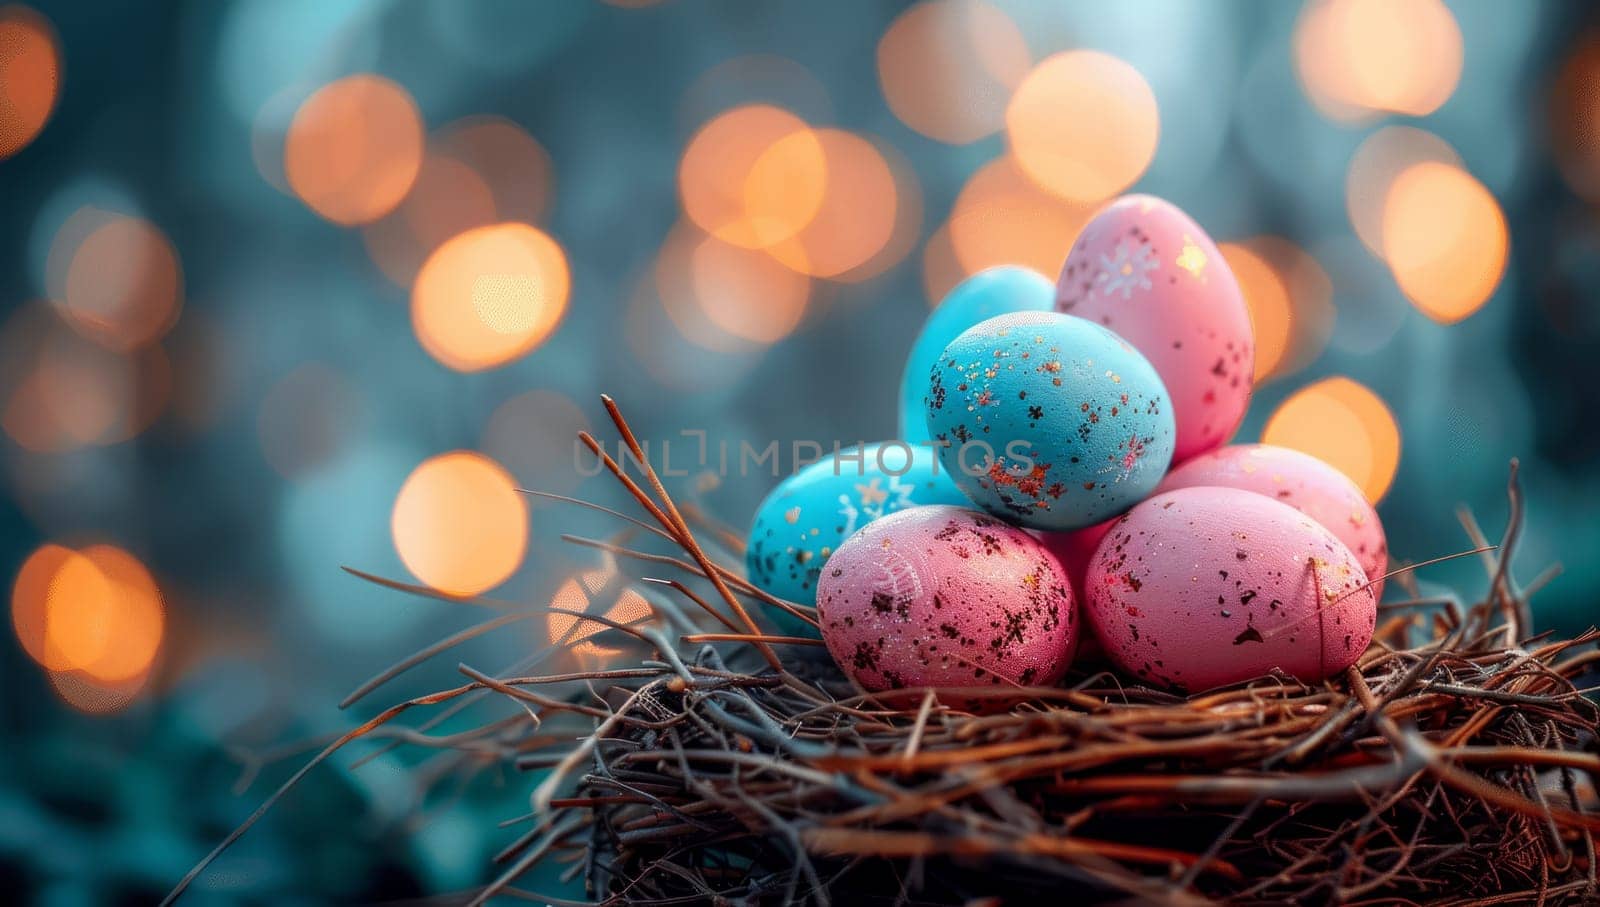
(991, 292)
(1206, 586)
(946, 597)
(810, 513)
(1144, 269)
(1303, 482)
(1048, 420)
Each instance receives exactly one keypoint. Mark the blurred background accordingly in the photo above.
(295, 284)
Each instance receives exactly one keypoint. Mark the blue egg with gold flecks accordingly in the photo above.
(811, 512)
(995, 291)
(1049, 421)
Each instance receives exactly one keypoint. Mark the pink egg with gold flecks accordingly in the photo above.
(1144, 269)
(1201, 587)
(1305, 483)
(1074, 549)
(940, 596)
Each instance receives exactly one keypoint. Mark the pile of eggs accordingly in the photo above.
(1064, 480)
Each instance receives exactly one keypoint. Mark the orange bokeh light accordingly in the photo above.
(1381, 158)
(512, 164)
(941, 270)
(1359, 58)
(1083, 125)
(601, 592)
(448, 198)
(1445, 239)
(1344, 424)
(459, 523)
(856, 217)
(122, 287)
(354, 148)
(1002, 218)
(96, 611)
(1290, 298)
(1575, 118)
(947, 68)
(727, 298)
(742, 182)
(490, 295)
(30, 76)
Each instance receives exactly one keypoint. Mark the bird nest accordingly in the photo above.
(1456, 761)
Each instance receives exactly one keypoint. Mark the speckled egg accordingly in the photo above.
(1206, 586)
(1073, 550)
(995, 291)
(810, 513)
(946, 597)
(1305, 483)
(1142, 268)
(1048, 420)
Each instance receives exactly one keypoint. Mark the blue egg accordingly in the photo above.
(1049, 420)
(996, 291)
(805, 518)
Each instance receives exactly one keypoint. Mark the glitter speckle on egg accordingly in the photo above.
(991, 292)
(1206, 586)
(946, 597)
(1048, 420)
(1144, 269)
(1303, 482)
(810, 513)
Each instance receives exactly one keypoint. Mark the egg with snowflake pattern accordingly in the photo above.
(1144, 269)
(811, 512)
(1049, 421)
(990, 292)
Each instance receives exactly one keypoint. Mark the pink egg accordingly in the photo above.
(1143, 269)
(1074, 549)
(941, 596)
(1206, 586)
(1305, 483)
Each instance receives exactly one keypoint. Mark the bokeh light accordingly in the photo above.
(724, 297)
(1445, 239)
(601, 592)
(754, 176)
(1344, 424)
(1377, 162)
(60, 392)
(1083, 125)
(1359, 58)
(512, 164)
(95, 610)
(1001, 218)
(948, 67)
(490, 295)
(1290, 298)
(459, 523)
(123, 287)
(1575, 117)
(354, 148)
(535, 436)
(306, 419)
(448, 198)
(30, 75)
(941, 270)
(755, 79)
(856, 216)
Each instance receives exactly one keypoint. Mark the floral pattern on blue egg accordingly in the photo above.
(1049, 420)
(991, 292)
(804, 519)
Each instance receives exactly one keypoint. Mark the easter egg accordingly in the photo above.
(810, 513)
(946, 597)
(1305, 483)
(1073, 550)
(1142, 268)
(1206, 586)
(991, 292)
(1049, 421)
